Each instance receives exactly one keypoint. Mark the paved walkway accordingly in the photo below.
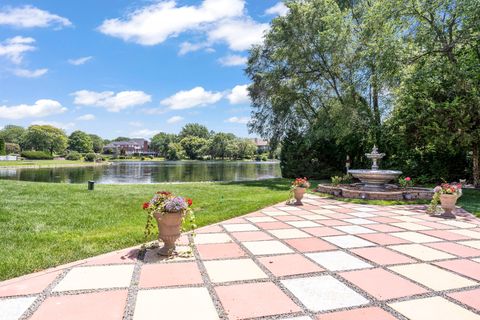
(326, 260)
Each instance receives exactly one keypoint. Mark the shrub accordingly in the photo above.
(12, 148)
(2, 147)
(90, 157)
(36, 155)
(258, 158)
(151, 157)
(336, 180)
(74, 155)
(264, 158)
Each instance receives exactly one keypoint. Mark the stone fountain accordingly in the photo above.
(375, 178)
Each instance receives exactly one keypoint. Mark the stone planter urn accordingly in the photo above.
(169, 230)
(298, 193)
(447, 202)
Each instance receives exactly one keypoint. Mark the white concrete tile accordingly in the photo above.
(366, 209)
(469, 233)
(266, 247)
(359, 221)
(323, 293)
(303, 224)
(348, 241)
(355, 229)
(177, 303)
(206, 238)
(437, 308)
(410, 226)
(458, 224)
(289, 233)
(96, 277)
(337, 260)
(233, 270)
(261, 219)
(471, 243)
(361, 214)
(421, 252)
(12, 309)
(415, 237)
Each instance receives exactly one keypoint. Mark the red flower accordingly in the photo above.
(165, 193)
(408, 179)
(190, 202)
(146, 205)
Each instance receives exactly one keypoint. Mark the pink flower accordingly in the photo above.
(408, 179)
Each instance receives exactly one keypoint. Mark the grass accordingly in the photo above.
(44, 225)
(44, 163)
(470, 201)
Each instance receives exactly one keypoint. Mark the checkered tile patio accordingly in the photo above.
(326, 260)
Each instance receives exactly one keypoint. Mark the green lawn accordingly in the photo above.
(44, 225)
(42, 163)
(470, 201)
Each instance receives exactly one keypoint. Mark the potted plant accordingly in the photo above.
(299, 187)
(170, 212)
(447, 194)
(406, 183)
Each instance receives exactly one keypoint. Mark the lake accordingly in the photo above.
(150, 172)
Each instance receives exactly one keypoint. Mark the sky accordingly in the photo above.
(129, 68)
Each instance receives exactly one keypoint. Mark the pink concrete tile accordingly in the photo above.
(310, 245)
(382, 284)
(220, 250)
(462, 266)
(256, 214)
(209, 229)
(369, 313)
(338, 214)
(470, 298)
(333, 223)
(382, 256)
(455, 248)
(100, 305)
(290, 264)
(122, 256)
(251, 236)
(323, 231)
(384, 228)
(384, 219)
(445, 235)
(289, 218)
(235, 220)
(382, 238)
(34, 283)
(272, 225)
(254, 300)
(169, 274)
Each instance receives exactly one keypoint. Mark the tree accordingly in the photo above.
(194, 129)
(120, 139)
(97, 143)
(12, 134)
(246, 149)
(12, 148)
(218, 145)
(193, 146)
(80, 141)
(160, 142)
(44, 138)
(2, 147)
(175, 152)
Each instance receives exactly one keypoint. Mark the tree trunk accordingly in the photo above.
(476, 169)
(375, 104)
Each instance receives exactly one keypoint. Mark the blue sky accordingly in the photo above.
(129, 68)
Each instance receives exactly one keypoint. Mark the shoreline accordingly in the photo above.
(66, 165)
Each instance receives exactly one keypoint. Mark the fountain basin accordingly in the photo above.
(375, 179)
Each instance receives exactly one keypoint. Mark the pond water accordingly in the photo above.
(151, 172)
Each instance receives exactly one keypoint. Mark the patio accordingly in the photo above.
(326, 260)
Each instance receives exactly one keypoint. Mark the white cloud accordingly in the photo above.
(239, 34)
(25, 73)
(61, 125)
(155, 23)
(135, 124)
(187, 47)
(277, 10)
(41, 108)
(80, 61)
(192, 98)
(15, 48)
(86, 117)
(144, 133)
(113, 102)
(233, 60)
(241, 120)
(30, 17)
(239, 95)
(175, 119)
(152, 111)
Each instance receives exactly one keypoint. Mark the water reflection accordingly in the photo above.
(150, 172)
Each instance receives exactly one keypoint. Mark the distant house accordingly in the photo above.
(132, 146)
(262, 145)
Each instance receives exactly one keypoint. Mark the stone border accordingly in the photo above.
(400, 195)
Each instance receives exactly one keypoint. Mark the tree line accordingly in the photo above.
(194, 141)
(333, 78)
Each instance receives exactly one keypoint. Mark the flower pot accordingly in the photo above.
(169, 225)
(298, 193)
(407, 196)
(448, 202)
